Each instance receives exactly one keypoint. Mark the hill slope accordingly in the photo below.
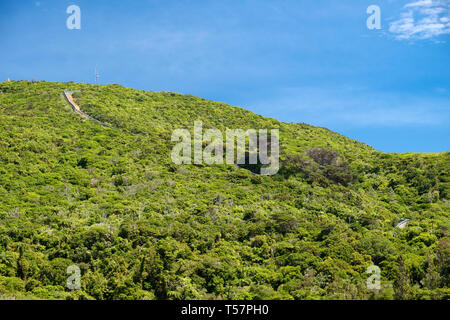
(140, 227)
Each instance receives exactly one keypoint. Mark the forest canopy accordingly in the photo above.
(110, 201)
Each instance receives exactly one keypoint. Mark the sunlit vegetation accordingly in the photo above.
(139, 227)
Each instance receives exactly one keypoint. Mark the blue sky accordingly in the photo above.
(297, 61)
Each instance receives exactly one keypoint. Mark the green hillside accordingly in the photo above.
(110, 200)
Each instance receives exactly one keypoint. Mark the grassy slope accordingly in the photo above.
(111, 201)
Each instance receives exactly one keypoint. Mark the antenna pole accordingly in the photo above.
(96, 75)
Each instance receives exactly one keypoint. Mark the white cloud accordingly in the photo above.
(424, 19)
(419, 3)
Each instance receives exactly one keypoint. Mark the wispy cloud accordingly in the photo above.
(355, 107)
(423, 19)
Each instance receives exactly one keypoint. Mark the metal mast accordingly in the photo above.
(96, 75)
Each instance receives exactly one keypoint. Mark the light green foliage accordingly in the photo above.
(139, 227)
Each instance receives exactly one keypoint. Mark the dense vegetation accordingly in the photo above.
(112, 202)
